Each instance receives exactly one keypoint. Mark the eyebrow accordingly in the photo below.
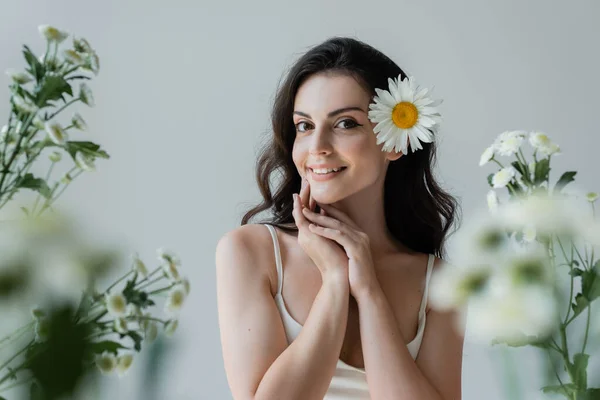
(333, 113)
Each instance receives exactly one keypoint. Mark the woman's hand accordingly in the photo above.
(335, 225)
(328, 256)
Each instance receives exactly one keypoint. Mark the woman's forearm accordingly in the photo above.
(305, 368)
(392, 372)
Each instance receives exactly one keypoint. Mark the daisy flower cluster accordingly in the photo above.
(123, 311)
(44, 261)
(527, 267)
(39, 97)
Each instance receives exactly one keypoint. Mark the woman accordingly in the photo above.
(358, 220)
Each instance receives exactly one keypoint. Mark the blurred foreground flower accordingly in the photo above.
(107, 326)
(511, 261)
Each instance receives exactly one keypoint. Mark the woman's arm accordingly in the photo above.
(391, 371)
(258, 362)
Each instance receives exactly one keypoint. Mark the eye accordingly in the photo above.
(299, 124)
(353, 124)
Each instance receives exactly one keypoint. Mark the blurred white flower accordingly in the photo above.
(529, 233)
(591, 197)
(86, 95)
(168, 256)
(56, 133)
(139, 266)
(72, 57)
(38, 123)
(55, 157)
(542, 143)
(507, 312)
(171, 327)
(19, 77)
(492, 200)
(81, 45)
(121, 325)
(124, 362)
(24, 105)
(52, 34)
(451, 285)
(92, 63)
(78, 122)
(85, 161)
(185, 282)
(116, 304)
(503, 177)
(150, 331)
(508, 143)
(42, 329)
(106, 363)
(486, 156)
(175, 299)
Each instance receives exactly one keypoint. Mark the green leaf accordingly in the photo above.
(39, 185)
(580, 304)
(590, 394)
(564, 180)
(542, 171)
(88, 148)
(489, 179)
(54, 87)
(107, 345)
(566, 390)
(36, 68)
(580, 363)
(590, 284)
(576, 272)
(137, 339)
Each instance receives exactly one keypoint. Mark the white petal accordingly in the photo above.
(386, 98)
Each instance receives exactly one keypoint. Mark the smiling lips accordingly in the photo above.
(324, 173)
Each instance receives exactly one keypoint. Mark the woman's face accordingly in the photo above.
(331, 135)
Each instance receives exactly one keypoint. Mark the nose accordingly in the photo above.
(320, 142)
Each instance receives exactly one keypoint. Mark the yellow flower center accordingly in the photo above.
(405, 115)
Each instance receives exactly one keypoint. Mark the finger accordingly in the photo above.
(305, 195)
(336, 235)
(340, 215)
(329, 222)
(301, 221)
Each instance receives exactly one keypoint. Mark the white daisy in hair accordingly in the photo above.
(405, 114)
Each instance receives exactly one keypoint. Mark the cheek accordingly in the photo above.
(298, 154)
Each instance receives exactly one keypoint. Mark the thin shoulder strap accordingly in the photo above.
(277, 258)
(426, 291)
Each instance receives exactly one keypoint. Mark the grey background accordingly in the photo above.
(183, 100)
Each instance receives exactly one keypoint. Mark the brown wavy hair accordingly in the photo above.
(418, 212)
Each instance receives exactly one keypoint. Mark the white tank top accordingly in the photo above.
(348, 382)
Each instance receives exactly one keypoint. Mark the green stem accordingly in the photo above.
(150, 283)
(24, 349)
(118, 281)
(157, 291)
(67, 104)
(150, 275)
(587, 327)
(16, 333)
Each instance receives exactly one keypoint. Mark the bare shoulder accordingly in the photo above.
(246, 247)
